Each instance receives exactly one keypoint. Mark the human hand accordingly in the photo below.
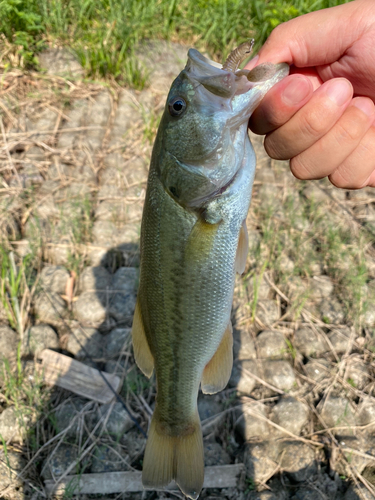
(322, 116)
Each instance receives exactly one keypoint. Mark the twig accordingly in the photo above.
(285, 431)
(8, 153)
(263, 382)
(354, 472)
(277, 289)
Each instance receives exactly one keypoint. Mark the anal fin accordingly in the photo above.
(217, 371)
(242, 249)
(142, 353)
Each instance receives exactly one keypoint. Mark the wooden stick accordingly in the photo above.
(220, 476)
(81, 379)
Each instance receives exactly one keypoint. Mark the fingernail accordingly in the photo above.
(365, 105)
(339, 91)
(297, 90)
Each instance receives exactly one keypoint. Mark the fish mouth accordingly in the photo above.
(210, 68)
(237, 92)
(211, 75)
(226, 80)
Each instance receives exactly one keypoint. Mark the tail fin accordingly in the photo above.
(174, 457)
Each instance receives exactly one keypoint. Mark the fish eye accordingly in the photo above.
(176, 106)
(173, 191)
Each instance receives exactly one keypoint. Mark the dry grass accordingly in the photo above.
(333, 238)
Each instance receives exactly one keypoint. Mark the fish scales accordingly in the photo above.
(196, 320)
(193, 241)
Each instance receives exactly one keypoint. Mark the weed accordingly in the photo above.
(52, 419)
(351, 382)
(5, 450)
(229, 402)
(134, 74)
(105, 33)
(343, 417)
(27, 396)
(135, 382)
(291, 349)
(14, 288)
(72, 488)
(250, 484)
(151, 120)
(21, 23)
(346, 264)
(298, 306)
(82, 230)
(12, 380)
(349, 457)
(76, 223)
(256, 282)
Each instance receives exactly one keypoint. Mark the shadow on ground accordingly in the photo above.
(75, 436)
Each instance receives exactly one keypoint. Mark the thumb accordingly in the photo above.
(318, 38)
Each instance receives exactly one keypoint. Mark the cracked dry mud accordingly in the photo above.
(299, 410)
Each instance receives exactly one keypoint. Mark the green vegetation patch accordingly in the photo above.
(104, 33)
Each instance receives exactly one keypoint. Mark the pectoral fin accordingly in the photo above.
(217, 372)
(142, 353)
(242, 249)
(201, 241)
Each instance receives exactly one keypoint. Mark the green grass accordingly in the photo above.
(250, 484)
(257, 279)
(16, 279)
(104, 33)
(72, 488)
(28, 396)
(291, 349)
(5, 450)
(151, 120)
(135, 382)
(75, 223)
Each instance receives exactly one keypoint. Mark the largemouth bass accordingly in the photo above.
(193, 241)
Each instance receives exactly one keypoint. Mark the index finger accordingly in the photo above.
(316, 38)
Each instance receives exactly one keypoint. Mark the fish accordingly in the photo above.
(193, 241)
